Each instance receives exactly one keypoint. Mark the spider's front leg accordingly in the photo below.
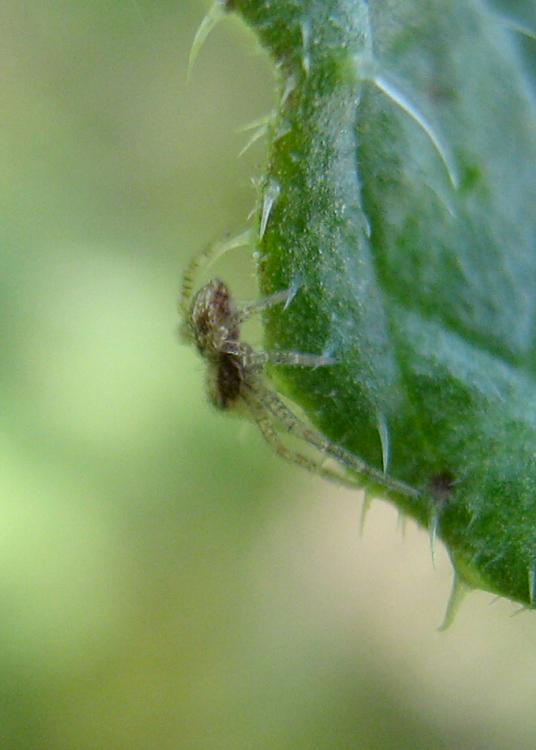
(202, 261)
(248, 310)
(257, 360)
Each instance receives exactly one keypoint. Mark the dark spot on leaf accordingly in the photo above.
(470, 178)
(440, 91)
(441, 485)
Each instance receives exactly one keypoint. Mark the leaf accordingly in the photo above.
(401, 200)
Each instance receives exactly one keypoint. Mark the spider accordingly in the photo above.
(212, 321)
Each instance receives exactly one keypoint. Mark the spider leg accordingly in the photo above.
(250, 309)
(274, 405)
(203, 260)
(269, 433)
(256, 361)
(293, 359)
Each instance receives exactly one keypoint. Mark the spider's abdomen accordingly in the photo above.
(228, 381)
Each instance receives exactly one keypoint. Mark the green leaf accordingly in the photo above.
(401, 201)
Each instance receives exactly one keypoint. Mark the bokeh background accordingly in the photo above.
(165, 582)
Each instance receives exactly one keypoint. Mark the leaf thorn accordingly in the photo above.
(214, 15)
(270, 197)
(383, 431)
(399, 98)
(458, 592)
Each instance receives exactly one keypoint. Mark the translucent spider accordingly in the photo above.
(236, 373)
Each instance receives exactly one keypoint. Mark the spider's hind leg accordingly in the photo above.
(269, 402)
(264, 423)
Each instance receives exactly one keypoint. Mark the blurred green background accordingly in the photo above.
(165, 582)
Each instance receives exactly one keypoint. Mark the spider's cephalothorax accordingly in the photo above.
(212, 318)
